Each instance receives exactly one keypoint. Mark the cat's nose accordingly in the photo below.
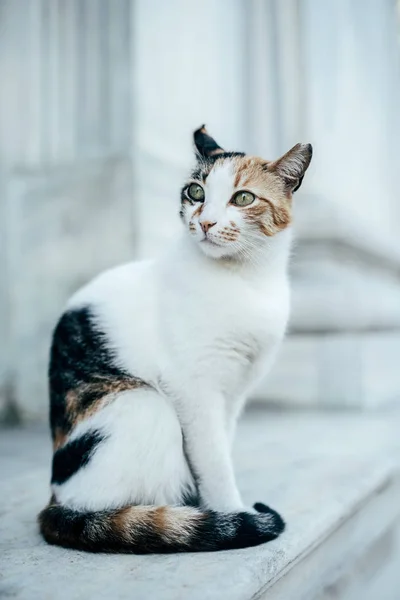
(206, 225)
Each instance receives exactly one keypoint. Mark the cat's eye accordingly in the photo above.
(195, 192)
(243, 198)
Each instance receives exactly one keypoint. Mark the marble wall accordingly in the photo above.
(99, 100)
(66, 201)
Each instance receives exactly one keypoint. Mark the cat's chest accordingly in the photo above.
(235, 309)
(225, 336)
(230, 336)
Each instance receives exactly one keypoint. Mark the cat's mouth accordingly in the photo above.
(209, 241)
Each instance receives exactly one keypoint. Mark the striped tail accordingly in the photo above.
(149, 529)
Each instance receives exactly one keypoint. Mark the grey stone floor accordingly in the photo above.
(317, 469)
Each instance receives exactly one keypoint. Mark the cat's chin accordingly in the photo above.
(214, 250)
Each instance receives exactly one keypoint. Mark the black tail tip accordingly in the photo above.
(278, 523)
(261, 507)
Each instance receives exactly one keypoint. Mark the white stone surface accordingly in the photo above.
(326, 370)
(64, 226)
(4, 334)
(334, 477)
(65, 160)
(335, 290)
(345, 273)
(65, 79)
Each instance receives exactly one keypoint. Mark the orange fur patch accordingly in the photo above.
(59, 439)
(86, 399)
(271, 211)
(168, 522)
(198, 210)
(101, 392)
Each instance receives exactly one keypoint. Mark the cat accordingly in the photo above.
(151, 363)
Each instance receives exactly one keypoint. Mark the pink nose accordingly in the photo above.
(206, 225)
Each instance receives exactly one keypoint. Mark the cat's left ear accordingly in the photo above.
(292, 166)
(206, 146)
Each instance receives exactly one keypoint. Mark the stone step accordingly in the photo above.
(351, 369)
(335, 478)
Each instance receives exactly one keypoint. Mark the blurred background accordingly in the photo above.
(98, 101)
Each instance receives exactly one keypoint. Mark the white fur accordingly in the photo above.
(201, 332)
(144, 439)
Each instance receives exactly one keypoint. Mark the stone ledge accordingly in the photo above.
(340, 564)
(333, 477)
(335, 370)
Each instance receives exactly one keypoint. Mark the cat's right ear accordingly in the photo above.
(292, 165)
(206, 146)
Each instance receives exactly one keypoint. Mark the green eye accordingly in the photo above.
(196, 192)
(243, 198)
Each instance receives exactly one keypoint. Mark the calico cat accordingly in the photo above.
(152, 361)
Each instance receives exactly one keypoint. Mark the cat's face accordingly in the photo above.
(232, 203)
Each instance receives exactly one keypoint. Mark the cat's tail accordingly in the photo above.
(150, 529)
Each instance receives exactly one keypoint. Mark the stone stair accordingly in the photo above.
(334, 476)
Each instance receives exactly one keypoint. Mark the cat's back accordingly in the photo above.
(114, 285)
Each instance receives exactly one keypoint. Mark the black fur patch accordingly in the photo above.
(236, 530)
(261, 507)
(205, 144)
(79, 355)
(74, 455)
(191, 499)
(205, 165)
(225, 155)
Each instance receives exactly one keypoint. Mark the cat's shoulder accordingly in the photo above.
(117, 280)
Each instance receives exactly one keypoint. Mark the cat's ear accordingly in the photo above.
(292, 166)
(206, 146)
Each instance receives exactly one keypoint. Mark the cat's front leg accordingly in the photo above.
(207, 447)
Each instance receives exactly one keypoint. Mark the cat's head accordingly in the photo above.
(233, 203)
